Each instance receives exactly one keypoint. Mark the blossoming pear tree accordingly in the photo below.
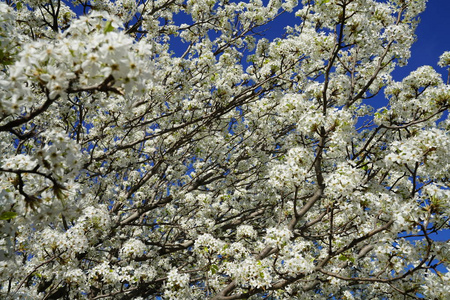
(166, 148)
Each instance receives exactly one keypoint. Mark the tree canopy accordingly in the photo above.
(167, 148)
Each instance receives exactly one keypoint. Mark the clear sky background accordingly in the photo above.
(433, 38)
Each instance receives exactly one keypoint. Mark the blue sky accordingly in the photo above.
(433, 38)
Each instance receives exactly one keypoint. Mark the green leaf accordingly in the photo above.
(8, 215)
(5, 58)
(108, 27)
(343, 257)
(214, 269)
(346, 258)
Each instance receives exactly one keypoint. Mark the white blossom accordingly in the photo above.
(186, 150)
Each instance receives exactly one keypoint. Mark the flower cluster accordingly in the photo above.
(245, 231)
(293, 171)
(60, 154)
(177, 285)
(444, 59)
(105, 60)
(278, 237)
(297, 263)
(343, 181)
(132, 248)
(427, 147)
